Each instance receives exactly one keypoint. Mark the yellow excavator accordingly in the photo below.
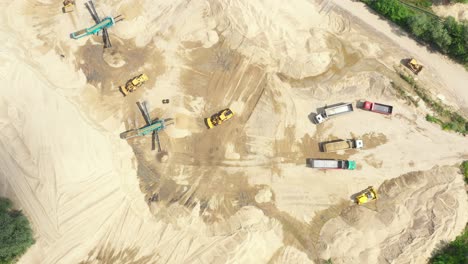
(414, 65)
(134, 83)
(68, 6)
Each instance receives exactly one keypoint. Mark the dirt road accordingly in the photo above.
(452, 75)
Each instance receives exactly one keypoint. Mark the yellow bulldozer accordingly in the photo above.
(414, 65)
(68, 6)
(134, 83)
(367, 195)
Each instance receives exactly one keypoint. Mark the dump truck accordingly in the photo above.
(134, 83)
(68, 6)
(334, 111)
(331, 164)
(342, 145)
(365, 196)
(414, 66)
(378, 108)
(219, 118)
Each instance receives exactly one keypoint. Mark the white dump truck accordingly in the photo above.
(342, 145)
(333, 111)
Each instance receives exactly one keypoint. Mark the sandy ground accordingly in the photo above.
(239, 193)
(459, 11)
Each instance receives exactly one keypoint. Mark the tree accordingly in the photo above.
(393, 9)
(464, 38)
(15, 232)
(420, 26)
(440, 36)
(455, 252)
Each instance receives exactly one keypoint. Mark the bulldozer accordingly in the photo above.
(134, 83)
(219, 118)
(414, 66)
(68, 6)
(367, 195)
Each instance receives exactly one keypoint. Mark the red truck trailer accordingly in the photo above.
(378, 108)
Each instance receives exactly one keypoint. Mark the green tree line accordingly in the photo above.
(15, 233)
(446, 35)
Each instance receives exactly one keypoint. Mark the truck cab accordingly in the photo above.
(319, 118)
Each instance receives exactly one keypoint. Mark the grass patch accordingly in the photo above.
(404, 95)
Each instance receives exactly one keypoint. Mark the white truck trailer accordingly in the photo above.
(334, 111)
(331, 164)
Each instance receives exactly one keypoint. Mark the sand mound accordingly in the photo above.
(295, 46)
(459, 11)
(414, 213)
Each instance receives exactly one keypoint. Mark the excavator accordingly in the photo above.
(414, 66)
(219, 118)
(134, 83)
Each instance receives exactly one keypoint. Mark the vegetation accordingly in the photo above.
(447, 119)
(455, 252)
(464, 170)
(446, 35)
(15, 233)
(404, 95)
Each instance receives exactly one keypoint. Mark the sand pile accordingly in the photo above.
(414, 214)
(293, 40)
(459, 11)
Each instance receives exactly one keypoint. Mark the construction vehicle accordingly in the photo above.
(331, 164)
(342, 145)
(68, 6)
(152, 127)
(219, 118)
(134, 83)
(101, 25)
(367, 195)
(334, 111)
(378, 108)
(413, 65)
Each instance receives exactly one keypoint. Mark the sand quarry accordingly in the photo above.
(239, 193)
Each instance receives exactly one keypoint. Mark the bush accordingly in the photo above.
(464, 169)
(433, 119)
(15, 232)
(455, 252)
